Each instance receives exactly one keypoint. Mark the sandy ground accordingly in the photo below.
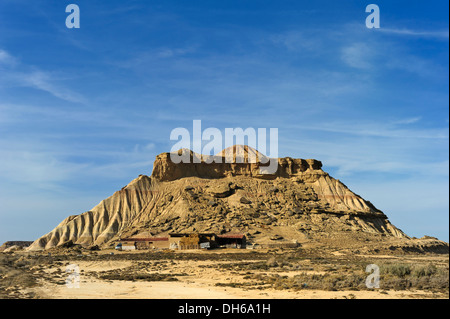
(198, 284)
(91, 289)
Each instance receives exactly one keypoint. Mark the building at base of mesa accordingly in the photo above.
(183, 241)
(232, 240)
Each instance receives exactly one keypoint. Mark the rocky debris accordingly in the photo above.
(272, 262)
(212, 203)
(244, 200)
(12, 249)
(67, 244)
(276, 237)
(426, 244)
(221, 189)
(274, 190)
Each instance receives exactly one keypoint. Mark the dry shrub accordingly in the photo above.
(424, 277)
(397, 270)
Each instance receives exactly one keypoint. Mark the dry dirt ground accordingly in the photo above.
(220, 274)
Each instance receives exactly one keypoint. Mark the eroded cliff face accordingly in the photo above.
(164, 169)
(299, 202)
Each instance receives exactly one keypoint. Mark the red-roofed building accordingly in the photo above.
(184, 241)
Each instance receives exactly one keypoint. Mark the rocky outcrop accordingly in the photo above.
(196, 165)
(19, 244)
(298, 202)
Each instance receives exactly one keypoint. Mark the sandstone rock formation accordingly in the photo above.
(7, 246)
(206, 166)
(300, 202)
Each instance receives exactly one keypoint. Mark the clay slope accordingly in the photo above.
(99, 225)
(300, 202)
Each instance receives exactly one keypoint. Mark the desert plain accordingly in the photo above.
(300, 273)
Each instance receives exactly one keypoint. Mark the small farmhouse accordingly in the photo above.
(143, 243)
(182, 241)
(126, 245)
(232, 240)
(192, 240)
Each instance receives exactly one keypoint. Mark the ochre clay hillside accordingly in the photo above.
(299, 203)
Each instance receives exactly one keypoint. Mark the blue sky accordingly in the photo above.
(84, 111)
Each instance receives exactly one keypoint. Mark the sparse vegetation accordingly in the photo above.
(424, 277)
(16, 274)
(280, 269)
(137, 276)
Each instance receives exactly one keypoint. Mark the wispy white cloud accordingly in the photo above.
(439, 34)
(155, 56)
(297, 41)
(415, 65)
(357, 55)
(375, 129)
(38, 165)
(18, 74)
(385, 157)
(378, 57)
(174, 52)
(410, 120)
(6, 58)
(44, 81)
(40, 169)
